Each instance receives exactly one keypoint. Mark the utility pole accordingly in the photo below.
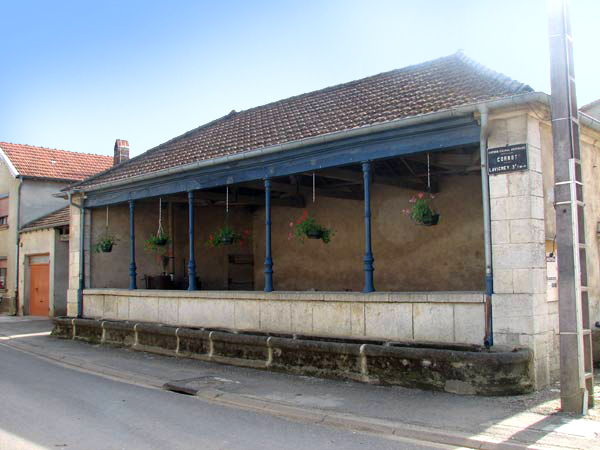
(576, 373)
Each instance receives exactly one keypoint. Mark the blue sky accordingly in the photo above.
(78, 75)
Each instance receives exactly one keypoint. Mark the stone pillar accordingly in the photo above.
(74, 254)
(520, 309)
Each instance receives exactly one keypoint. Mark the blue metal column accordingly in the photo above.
(268, 259)
(81, 259)
(132, 272)
(192, 264)
(368, 259)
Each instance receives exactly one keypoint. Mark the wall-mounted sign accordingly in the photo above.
(507, 159)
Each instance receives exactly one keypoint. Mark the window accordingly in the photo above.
(3, 209)
(2, 273)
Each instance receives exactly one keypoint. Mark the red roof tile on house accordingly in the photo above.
(432, 86)
(40, 162)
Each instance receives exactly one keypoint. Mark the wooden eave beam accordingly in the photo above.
(292, 189)
(241, 200)
(350, 175)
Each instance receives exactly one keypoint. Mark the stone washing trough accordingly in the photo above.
(462, 369)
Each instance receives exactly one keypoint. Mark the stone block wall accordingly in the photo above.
(74, 261)
(520, 307)
(443, 317)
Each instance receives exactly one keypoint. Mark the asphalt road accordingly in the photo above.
(45, 405)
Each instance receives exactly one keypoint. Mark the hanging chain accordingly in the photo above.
(428, 175)
(314, 187)
(227, 199)
(107, 216)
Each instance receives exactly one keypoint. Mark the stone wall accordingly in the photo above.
(74, 252)
(418, 316)
(521, 312)
(455, 368)
(590, 154)
(590, 151)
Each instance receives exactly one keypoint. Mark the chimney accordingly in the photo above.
(121, 152)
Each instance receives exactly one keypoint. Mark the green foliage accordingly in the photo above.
(421, 210)
(105, 243)
(226, 235)
(307, 226)
(157, 242)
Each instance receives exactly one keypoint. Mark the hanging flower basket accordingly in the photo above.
(105, 243)
(106, 240)
(422, 211)
(105, 247)
(226, 235)
(156, 241)
(307, 227)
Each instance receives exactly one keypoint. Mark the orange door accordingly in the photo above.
(39, 290)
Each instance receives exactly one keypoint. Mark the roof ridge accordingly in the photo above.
(589, 105)
(55, 149)
(346, 83)
(497, 76)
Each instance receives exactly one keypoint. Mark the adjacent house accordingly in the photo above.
(219, 218)
(592, 109)
(29, 179)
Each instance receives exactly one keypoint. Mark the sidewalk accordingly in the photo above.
(531, 421)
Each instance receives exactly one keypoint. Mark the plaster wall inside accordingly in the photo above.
(111, 270)
(408, 257)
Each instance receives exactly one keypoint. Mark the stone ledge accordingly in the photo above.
(316, 296)
(461, 369)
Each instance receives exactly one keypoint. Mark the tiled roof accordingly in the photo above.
(40, 162)
(54, 219)
(590, 105)
(424, 88)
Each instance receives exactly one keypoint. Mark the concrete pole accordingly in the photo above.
(576, 378)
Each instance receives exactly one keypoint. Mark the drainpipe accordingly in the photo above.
(18, 241)
(81, 255)
(487, 226)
